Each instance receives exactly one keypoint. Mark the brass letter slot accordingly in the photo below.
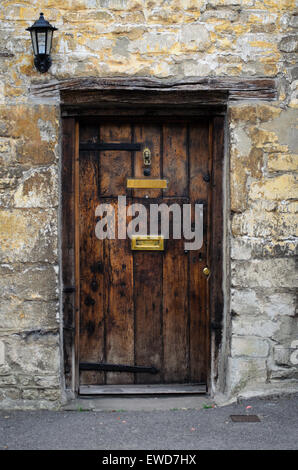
(146, 183)
(147, 242)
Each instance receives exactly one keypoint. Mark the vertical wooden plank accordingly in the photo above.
(149, 136)
(175, 266)
(148, 312)
(118, 265)
(68, 247)
(216, 243)
(115, 166)
(119, 308)
(148, 269)
(91, 263)
(175, 311)
(77, 253)
(175, 159)
(199, 190)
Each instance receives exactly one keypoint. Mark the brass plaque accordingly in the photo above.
(146, 183)
(147, 242)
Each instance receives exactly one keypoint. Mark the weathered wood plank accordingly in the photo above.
(216, 243)
(115, 166)
(119, 308)
(175, 312)
(199, 158)
(236, 88)
(173, 389)
(148, 313)
(68, 247)
(91, 256)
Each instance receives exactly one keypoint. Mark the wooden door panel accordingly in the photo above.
(115, 166)
(139, 307)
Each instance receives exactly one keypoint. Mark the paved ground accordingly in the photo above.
(204, 428)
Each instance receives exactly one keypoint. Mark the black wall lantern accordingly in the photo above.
(41, 35)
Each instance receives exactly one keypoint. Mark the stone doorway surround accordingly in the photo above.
(203, 96)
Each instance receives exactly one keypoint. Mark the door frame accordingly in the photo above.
(129, 101)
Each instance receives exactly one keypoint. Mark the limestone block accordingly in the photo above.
(288, 330)
(28, 283)
(9, 180)
(9, 393)
(28, 235)
(281, 303)
(261, 248)
(7, 380)
(265, 273)
(36, 353)
(294, 94)
(153, 42)
(240, 249)
(283, 356)
(282, 162)
(245, 373)
(286, 373)
(245, 302)
(284, 127)
(195, 37)
(249, 346)
(243, 113)
(38, 188)
(18, 315)
(278, 188)
(2, 353)
(261, 327)
(289, 44)
(35, 129)
(272, 225)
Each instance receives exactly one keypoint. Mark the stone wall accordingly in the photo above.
(164, 39)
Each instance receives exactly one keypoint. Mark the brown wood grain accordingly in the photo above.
(175, 313)
(216, 242)
(119, 308)
(68, 247)
(148, 284)
(91, 258)
(115, 166)
(199, 160)
(175, 164)
(192, 90)
(199, 156)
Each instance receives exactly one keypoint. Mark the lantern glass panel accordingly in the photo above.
(49, 41)
(34, 43)
(41, 40)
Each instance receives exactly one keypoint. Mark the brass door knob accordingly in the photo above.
(206, 271)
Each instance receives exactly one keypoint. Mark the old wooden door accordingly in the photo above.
(143, 308)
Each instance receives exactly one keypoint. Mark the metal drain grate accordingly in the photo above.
(245, 418)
